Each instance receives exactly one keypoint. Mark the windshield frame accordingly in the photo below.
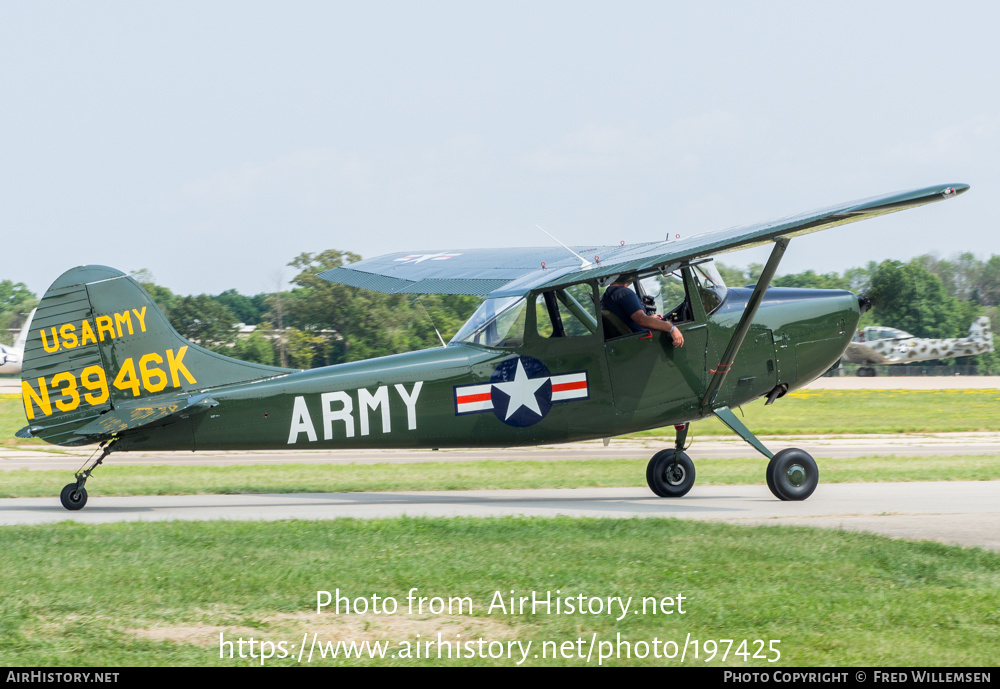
(709, 281)
(476, 330)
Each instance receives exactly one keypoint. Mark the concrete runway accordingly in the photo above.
(958, 512)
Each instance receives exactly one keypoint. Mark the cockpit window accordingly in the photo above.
(670, 294)
(567, 312)
(496, 323)
(711, 286)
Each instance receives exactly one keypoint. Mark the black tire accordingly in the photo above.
(73, 499)
(670, 474)
(792, 474)
(769, 477)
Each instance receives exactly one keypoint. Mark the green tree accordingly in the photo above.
(205, 321)
(249, 310)
(257, 347)
(161, 296)
(16, 302)
(987, 289)
(812, 280)
(910, 297)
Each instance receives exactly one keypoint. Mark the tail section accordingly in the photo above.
(100, 358)
(23, 335)
(12, 356)
(981, 332)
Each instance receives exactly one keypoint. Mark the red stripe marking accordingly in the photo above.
(564, 387)
(465, 399)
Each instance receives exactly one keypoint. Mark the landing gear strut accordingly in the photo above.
(670, 473)
(74, 495)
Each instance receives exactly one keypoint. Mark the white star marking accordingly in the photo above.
(420, 258)
(521, 391)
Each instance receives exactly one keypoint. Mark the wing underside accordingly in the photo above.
(507, 272)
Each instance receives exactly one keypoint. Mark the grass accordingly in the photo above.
(11, 419)
(161, 594)
(811, 412)
(323, 478)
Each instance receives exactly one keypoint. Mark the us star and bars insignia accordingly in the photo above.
(420, 258)
(521, 392)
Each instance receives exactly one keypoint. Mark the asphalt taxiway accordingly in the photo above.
(958, 512)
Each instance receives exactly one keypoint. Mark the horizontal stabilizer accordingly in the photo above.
(126, 418)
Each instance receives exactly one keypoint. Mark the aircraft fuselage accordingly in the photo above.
(546, 390)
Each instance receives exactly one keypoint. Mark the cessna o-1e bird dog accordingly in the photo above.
(538, 362)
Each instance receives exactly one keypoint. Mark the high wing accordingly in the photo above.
(508, 272)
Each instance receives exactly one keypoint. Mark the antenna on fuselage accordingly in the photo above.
(436, 331)
(584, 263)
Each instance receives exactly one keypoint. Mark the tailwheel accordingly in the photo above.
(670, 473)
(73, 497)
(792, 474)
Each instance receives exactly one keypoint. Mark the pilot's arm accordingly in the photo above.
(641, 318)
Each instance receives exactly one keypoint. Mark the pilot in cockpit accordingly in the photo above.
(623, 302)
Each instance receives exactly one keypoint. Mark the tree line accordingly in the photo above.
(318, 323)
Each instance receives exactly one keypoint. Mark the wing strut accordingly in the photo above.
(743, 327)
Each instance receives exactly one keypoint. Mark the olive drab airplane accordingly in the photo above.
(540, 361)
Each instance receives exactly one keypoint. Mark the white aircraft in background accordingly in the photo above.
(877, 344)
(12, 356)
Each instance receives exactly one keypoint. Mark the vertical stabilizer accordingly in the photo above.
(98, 344)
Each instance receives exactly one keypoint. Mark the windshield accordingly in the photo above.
(496, 323)
(711, 285)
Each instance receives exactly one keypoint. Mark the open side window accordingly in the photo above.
(665, 294)
(669, 296)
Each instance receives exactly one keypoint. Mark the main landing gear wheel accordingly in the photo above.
(792, 474)
(73, 498)
(670, 473)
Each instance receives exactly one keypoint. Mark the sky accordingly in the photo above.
(212, 143)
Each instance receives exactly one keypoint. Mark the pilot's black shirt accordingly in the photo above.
(623, 302)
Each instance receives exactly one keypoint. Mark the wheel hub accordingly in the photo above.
(674, 474)
(796, 475)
